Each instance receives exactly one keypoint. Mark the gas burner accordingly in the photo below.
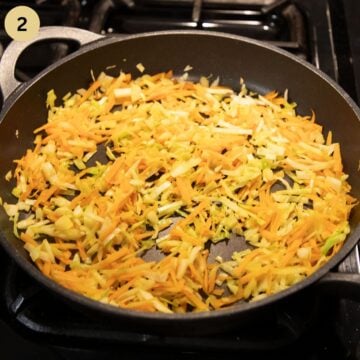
(278, 22)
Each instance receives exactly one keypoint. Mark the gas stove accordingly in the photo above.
(35, 324)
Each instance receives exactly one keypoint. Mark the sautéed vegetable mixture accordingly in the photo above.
(128, 166)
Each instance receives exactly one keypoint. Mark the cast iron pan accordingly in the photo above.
(263, 67)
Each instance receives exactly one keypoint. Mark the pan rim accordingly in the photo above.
(104, 41)
(29, 267)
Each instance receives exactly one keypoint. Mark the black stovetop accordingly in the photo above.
(34, 324)
(37, 325)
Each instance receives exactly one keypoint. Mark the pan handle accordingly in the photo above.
(346, 282)
(8, 82)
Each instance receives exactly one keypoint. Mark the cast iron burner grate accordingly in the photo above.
(301, 328)
(38, 312)
(276, 21)
(313, 30)
(279, 22)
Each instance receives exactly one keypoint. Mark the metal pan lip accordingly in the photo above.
(158, 318)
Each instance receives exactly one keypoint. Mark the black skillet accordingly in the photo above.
(263, 67)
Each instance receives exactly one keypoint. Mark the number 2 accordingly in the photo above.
(22, 22)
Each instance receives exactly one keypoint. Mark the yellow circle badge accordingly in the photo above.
(22, 23)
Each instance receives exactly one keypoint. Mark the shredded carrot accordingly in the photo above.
(95, 85)
(170, 166)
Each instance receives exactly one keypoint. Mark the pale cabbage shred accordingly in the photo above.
(177, 149)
